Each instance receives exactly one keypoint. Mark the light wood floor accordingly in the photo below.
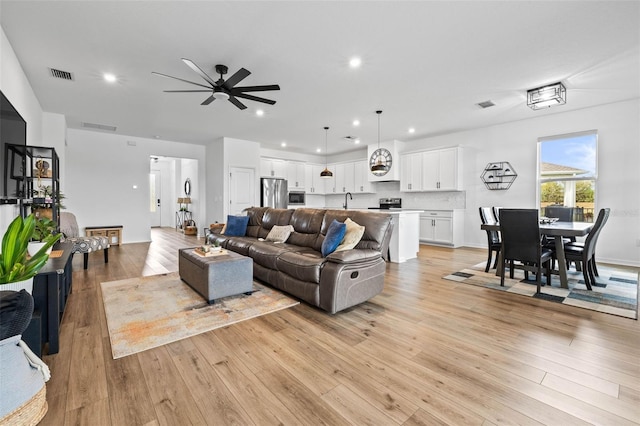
(424, 352)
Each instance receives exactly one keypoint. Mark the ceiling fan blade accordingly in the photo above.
(186, 91)
(208, 100)
(237, 103)
(240, 75)
(197, 69)
(255, 88)
(181, 79)
(254, 98)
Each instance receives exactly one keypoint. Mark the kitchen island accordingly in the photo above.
(405, 238)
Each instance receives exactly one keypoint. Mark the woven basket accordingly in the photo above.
(30, 413)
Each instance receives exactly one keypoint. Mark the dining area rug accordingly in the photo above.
(148, 312)
(615, 293)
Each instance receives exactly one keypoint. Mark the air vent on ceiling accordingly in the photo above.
(485, 104)
(65, 75)
(99, 127)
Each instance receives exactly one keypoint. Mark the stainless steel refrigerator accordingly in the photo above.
(273, 193)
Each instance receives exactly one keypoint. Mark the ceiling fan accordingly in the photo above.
(224, 89)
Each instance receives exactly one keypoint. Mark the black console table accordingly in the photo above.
(51, 286)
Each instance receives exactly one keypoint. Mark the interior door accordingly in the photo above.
(155, 191)
(242, 189)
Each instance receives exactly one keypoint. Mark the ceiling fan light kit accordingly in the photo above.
(223, 89)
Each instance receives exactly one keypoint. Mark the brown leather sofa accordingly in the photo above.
(333, 283)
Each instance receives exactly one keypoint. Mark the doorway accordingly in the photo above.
(167, 191)
(242, 189)
(155, 198)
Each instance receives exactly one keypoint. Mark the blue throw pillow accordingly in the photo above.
(335, 235)
(236, 226)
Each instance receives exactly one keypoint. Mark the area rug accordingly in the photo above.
(616, 291)
(147, 312)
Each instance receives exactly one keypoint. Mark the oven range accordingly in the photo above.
(388, 203)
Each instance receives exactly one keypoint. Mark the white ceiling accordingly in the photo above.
(425, 64)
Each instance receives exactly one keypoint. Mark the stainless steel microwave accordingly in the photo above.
(296, 198)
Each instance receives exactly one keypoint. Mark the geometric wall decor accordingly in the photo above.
(498, 175)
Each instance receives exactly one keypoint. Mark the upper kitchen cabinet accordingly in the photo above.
(361, 177)
(442, 170)
(314, 184)
(296, 175)
(411, 172)
(273, 167)
(350, 177)
(344, 178)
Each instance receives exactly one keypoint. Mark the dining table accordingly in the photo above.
(557, 230)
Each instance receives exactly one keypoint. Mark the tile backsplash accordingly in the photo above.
(410, 200)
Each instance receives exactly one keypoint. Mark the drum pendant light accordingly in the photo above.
(326, 173)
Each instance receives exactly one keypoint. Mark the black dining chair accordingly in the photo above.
(493, 237)
(585, 253)
(564, 214)
(496, 213)
(520, 231)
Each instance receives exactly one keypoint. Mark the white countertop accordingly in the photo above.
(391, 211)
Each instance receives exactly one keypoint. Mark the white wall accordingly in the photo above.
(241, 153)
(102, 171)
(216, 169)
(223, 154)
(16, 87)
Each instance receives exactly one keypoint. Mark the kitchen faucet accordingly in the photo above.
(345, 199)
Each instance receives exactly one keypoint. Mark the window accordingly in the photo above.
(567, 176)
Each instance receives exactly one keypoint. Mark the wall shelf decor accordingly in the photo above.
(498, 176)
(32, 176)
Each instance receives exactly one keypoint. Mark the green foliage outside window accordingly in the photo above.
(552, 192)
(584, 192)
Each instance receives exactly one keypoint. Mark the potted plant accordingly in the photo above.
(17, 269)
(42, 201)
(44, 229)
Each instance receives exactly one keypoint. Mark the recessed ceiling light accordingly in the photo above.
(110, 77)
(283, 144)
(356, 123)
(318, 150)
(357, 140)
(259, 113)
(412, 130)
(355, 62)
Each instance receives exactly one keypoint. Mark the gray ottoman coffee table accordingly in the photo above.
(216, 276)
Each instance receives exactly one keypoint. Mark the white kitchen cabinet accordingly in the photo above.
(330, 182)
(411, 172)
(344, 177)
(295, 175)
(273, 167)
(404, 243)
(361, 177)
(314, 184)
(442, 170)
(442, 227)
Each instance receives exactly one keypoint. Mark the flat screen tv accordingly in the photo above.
(13, 130)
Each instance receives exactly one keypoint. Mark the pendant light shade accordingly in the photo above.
(326, 173)
(379, 168)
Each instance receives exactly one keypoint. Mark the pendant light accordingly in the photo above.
(379, 168)
(326, 173)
